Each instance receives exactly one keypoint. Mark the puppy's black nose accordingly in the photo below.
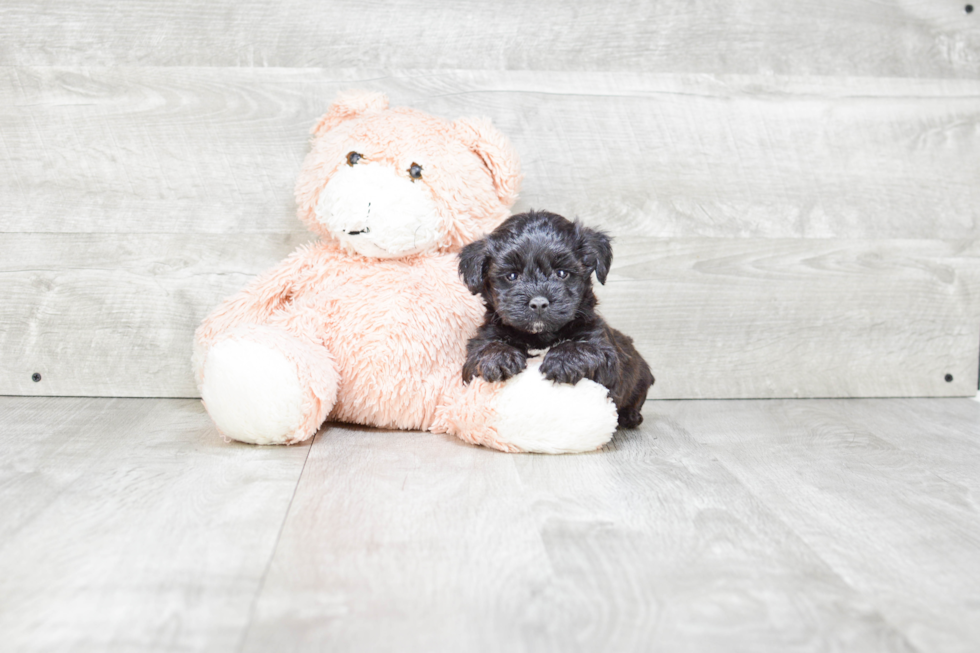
(538, 304)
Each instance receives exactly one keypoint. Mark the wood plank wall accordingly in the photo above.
(794, 191)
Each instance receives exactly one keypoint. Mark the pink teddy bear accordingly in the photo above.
(369, 325)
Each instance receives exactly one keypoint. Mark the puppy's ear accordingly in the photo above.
(473, 261)
(595, 248)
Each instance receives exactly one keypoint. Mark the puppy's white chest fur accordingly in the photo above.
(537, 353)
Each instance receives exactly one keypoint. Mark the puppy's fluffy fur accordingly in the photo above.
(535, 274)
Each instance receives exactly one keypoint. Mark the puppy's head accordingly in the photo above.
(535, 270)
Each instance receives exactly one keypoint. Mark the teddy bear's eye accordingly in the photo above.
(511, 276)
(415, 171)
(353, 157)
(561, 274)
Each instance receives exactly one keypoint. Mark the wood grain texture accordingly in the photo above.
(654, 547)
(871, 493)
(799, 318)
(783, 526)
(396, 542)
(419, 542)
(947, 440)
(128, 525)
(114, 314)
(217, 151)
(902, 38)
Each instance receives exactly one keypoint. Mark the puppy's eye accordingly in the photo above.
(415, 171)
(353, 158)
(562, 274)
(511, 276)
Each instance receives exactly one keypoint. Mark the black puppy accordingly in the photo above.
(535, 274)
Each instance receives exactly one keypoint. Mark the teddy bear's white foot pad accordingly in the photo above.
(540, 416)
(252, 392)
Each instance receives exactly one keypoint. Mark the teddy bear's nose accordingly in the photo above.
(538, 304)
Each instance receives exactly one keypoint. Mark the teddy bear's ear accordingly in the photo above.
(350, 104)
(473, 265)
(595, 249)
(496, 152)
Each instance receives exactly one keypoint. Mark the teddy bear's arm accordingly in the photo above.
(255, 303)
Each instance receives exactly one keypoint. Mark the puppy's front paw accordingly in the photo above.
(563, 367)
(495, 362)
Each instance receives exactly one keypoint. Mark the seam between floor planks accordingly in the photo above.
(573, 515)
(102, 482)
(283, 628)
(272, 554)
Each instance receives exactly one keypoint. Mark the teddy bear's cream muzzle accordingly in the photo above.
(375, 211)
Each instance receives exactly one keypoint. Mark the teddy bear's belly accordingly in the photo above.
(398, 334)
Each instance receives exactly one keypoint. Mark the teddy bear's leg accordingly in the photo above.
(264, 385)
(530, 413)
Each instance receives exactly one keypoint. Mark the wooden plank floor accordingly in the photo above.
(128, 525)
(785, 525)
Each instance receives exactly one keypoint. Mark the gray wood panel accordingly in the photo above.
(398, 540)
(128, 525)
(904, 38)
(217, 150)
(799, 318)
(948, 442)
(793, 525)
(423, 543)
(114, 314)
(870, 494)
